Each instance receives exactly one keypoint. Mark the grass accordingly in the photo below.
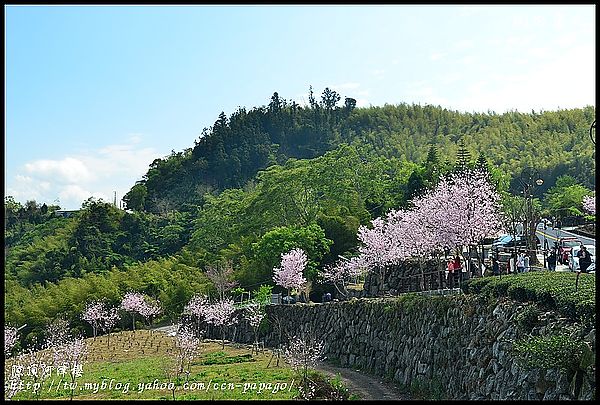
(132, 368)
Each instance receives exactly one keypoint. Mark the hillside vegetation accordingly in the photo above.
(262, 182)
(235, 148)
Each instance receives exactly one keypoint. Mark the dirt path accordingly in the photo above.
(367, 387)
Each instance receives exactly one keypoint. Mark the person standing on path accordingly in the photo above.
(495, 267)
(457, 269)
(512, 263)
(521, 263)
(450, 279)
(552, 260)
(584, 259)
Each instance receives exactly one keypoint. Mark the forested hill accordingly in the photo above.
(235, 148)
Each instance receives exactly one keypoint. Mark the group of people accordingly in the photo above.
(520, 263)
(516, 264)
(584, 257)
(454, 271)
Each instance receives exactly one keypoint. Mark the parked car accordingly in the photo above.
(574, 260)
(507, 242)
(564, 248)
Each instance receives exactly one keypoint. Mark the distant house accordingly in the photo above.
(65, 213)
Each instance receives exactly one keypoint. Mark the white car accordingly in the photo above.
(574, 260)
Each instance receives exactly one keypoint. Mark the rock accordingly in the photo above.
(550, 395)
(563, 384)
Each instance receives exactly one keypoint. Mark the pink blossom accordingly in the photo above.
(289, 274)
(461, 210)
(11, 335)
(221, 275)
(254, 313)
(110, 319)
(100, 316)
(57, 333)
(589, 204)
(221, 312)
(187, 344)
(94, 314)
(343, 271)
(132, 302)
(149, 309)
(197, 307)
(304, 352)
(378, 247)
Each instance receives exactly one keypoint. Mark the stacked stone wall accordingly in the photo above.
(459, 344)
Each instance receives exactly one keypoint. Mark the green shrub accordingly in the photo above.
(528, 318)
(551, 290)
(554, 351)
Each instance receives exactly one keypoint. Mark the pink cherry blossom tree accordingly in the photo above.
(71, 357)
(415, 241)
(220, 314)
(11, 336)
(100, 316)
(254, 314)
(150, 309)
(111, 317)
(589, 204)
(94, 314)
(187, 344)
(378, 248)
(342, 272)
(197, 309)
(133, 302)
(57, 334)
(289, 273)
(461, 210)
(304, 352)
(68, 352)
(187, 348)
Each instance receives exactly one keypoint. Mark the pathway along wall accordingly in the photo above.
(457, 344)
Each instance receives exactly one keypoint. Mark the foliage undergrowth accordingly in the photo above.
(551, 290)
(554, 351)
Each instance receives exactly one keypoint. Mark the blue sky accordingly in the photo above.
(95, 93)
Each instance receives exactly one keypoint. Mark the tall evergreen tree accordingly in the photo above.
(432, 164)
(482, 164)
(463, 157)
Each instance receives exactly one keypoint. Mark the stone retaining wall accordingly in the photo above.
(458, 345)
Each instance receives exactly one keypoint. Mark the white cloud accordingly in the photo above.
(67, 170)
(74, 192)
(73, 179)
